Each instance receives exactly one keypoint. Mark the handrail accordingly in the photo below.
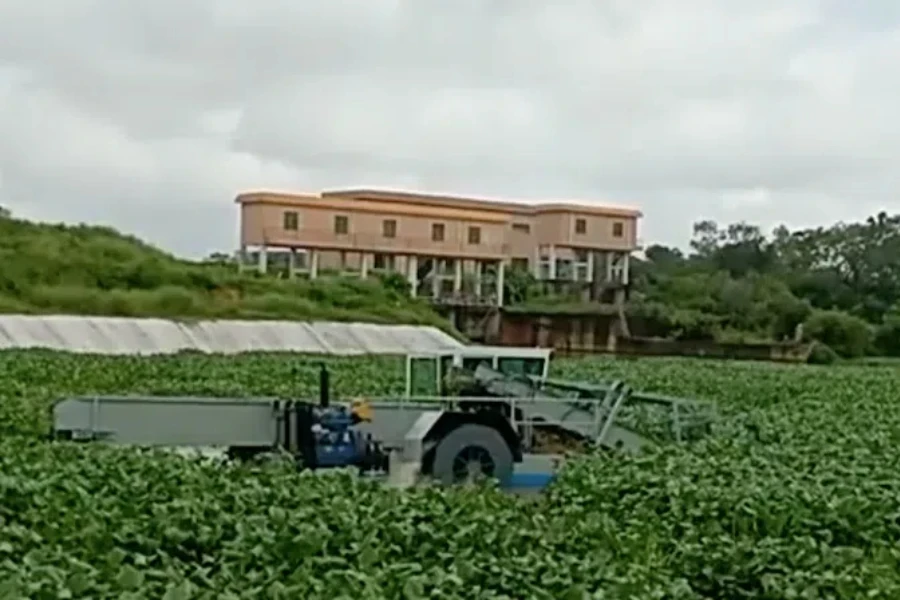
(373, 242)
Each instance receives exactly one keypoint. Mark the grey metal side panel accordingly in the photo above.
(170, 421)
(393, 420)
(414, 441)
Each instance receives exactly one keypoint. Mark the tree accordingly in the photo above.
(663, 255)
(846, 274)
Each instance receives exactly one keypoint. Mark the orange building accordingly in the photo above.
(453, 250)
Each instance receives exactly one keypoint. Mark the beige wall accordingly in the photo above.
(251, 225)
(263, 224)
(558, 228)
(521, 243)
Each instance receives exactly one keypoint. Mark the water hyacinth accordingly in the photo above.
(795, 495)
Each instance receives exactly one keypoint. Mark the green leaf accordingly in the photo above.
(129, 578)
(180, 591)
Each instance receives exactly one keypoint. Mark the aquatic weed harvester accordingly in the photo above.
(467, 414)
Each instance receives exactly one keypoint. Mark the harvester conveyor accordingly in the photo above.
(593, 420)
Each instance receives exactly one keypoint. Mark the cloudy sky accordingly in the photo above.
(151, 116)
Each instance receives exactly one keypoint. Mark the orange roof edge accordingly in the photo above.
(415, 198)
(261, 195)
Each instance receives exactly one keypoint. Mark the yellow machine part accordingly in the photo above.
(361, 408)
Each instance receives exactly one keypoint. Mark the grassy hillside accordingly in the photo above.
(98, 271)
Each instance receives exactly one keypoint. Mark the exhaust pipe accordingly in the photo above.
(324, 386)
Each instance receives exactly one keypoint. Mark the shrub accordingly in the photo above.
(848, 336)
(887, 338)
(822, 354)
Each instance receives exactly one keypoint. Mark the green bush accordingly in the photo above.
(822, 354)
(887, 338)
(848, 336)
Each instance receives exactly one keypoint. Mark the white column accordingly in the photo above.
(364, 264)
(437, 275)
(626, 263)
(242, 258)
(457, 274)
(479, 276)
(292, 263)
(590, 266)
(501, 268)
(313, 264)
(263, 260)
(412, 273)
(552, 261)
(610, 258)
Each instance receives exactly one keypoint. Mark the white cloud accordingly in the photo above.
(152, 116)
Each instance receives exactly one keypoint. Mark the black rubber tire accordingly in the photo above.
(477, 436)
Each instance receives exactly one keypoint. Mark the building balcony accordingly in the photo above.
(370, 242)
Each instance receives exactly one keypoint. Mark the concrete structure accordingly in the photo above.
(453, 250)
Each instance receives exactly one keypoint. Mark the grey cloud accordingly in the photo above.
(152, 116)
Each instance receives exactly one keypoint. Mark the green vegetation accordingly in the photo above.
(98, 271)
(796, 495)
(841, 282)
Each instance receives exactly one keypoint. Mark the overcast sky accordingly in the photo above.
(151, 116)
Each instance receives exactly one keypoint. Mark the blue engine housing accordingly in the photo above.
(337, 443)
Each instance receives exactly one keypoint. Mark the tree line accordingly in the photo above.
(839, 285)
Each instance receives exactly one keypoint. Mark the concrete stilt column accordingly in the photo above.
(436, 275)
(457, 275)
(501, 269)
(412, 273)
(552, 262)
(626, 264)
(479, 277)
(590, 266)
(364, 259)
(292, 263)
(263, 259)
(242, 258)
(313, 264)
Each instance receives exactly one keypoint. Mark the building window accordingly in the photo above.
(389, 228)
(519, 264)
(437, 232)
(522, 227)
(618, 230)
(291, 220)
(341, 225)
(580, 226)
(383, 262)
(474, 235)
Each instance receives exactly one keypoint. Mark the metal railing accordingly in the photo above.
(599, 414)
(373, 242)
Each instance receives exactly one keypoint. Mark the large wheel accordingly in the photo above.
(472, 452)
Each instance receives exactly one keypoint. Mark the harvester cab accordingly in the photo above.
(430, 374)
